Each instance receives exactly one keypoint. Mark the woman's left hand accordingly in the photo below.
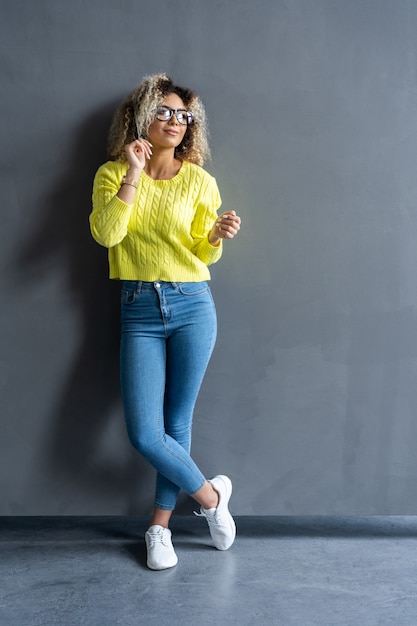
(226, 226)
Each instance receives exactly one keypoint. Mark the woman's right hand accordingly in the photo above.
(137, 152)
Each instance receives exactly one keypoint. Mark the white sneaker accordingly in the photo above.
(221, 523)
(161, 553)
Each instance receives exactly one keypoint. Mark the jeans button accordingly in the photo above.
(157, 285)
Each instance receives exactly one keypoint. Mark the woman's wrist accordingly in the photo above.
(133, 174)
(129, 181)
(128, 185)
(134, 170)
(213, 240)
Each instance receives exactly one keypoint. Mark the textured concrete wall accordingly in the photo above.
(310, 401)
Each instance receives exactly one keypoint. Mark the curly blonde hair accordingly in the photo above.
(135, 114)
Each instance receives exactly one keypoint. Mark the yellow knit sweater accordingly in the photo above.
(163, 235)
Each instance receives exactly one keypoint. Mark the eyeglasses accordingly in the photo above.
(164, 114)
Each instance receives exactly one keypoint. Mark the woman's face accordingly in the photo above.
(169, 133)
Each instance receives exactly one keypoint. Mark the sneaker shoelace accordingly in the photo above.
(158, 537)
(212, 518)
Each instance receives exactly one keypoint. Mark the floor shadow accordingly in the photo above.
(330, 526)
(191, 533)
(137, 553)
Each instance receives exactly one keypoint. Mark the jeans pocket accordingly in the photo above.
(193, 289)
(128, 295)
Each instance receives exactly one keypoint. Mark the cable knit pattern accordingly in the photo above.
(163, 235)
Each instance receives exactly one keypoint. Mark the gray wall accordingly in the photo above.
(310, 401)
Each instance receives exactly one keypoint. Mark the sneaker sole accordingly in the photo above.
(155, 568)
(228, 484)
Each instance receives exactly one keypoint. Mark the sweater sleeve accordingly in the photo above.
(206, 213)
(110, 216)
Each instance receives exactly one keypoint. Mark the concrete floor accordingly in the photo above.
(324, 571)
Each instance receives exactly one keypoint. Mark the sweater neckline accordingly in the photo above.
(166, 181)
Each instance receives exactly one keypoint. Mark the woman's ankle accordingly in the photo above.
(160, 517)
(212, 498)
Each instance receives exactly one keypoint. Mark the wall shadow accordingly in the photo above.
(90, 396)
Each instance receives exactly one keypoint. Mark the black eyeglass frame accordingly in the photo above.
(189, 117)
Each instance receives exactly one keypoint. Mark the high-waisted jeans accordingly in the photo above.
(168, 331)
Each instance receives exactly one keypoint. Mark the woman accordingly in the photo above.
(155, 209)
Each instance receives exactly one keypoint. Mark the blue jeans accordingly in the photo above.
(168, 332)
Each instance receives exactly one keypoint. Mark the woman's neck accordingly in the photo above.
(162, 165)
